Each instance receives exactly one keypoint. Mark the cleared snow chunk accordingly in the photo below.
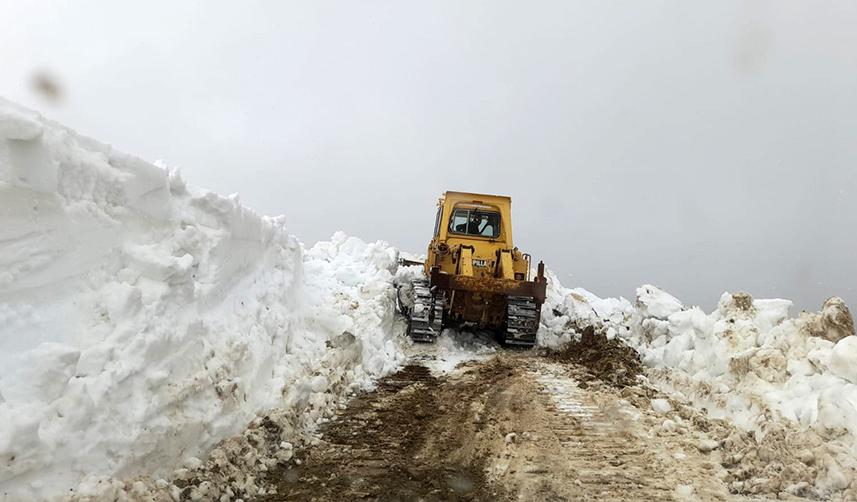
(611, 333)
(693, 321)
(843, 359)
(18, 123)
(684, 492)
(835, 479)
(676, 349)
(193, 463)
(42, 374)
(800, 367)
(654, 302)
(707, 445)
(820, 356)
(772, 312)
(661, 405)
(121, 300)
(319, 383)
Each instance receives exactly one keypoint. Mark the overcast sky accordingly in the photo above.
(698, 146)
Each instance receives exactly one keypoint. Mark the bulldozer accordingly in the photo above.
(473, 275)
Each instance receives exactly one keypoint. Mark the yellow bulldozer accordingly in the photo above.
(473, 274)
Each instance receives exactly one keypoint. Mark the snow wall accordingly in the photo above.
(142, 320)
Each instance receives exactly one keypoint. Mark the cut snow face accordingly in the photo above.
(142, 321)
(790, 381)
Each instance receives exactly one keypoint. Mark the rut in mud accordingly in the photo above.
(412, 438)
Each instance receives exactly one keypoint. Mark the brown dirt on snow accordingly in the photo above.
(610, 361)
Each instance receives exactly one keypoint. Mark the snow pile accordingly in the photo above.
(566, 312)
(455, 347)
(143, 321)
(747, 361)
(791, 381)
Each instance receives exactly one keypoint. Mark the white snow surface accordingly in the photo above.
(454, 347)
(143, 320)
(747, 361)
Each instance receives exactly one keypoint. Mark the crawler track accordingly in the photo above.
(610, 466)
(522, 321)
(425, 319)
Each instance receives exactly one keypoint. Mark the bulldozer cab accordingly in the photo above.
(462, 214)
(470, 220)
(473, 237)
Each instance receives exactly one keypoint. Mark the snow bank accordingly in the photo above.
(746, 361)
(142, 321)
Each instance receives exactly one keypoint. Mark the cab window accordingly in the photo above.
(475, 222)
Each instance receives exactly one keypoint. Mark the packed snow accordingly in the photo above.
(142, 320)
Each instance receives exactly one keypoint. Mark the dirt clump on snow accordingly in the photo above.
(743, 300)
(608, 360)
(777, 459)
(834, 322)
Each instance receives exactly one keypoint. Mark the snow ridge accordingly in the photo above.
(142, 321)
(747, 361)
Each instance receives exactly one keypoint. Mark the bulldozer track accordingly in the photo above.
(611, 465)
(515, 426)
(425, 320)
(522, 321)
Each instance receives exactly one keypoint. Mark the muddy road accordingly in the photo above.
(512, 426)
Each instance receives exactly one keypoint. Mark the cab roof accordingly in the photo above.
(476, 197)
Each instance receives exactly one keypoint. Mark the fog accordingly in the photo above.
(701, 147)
